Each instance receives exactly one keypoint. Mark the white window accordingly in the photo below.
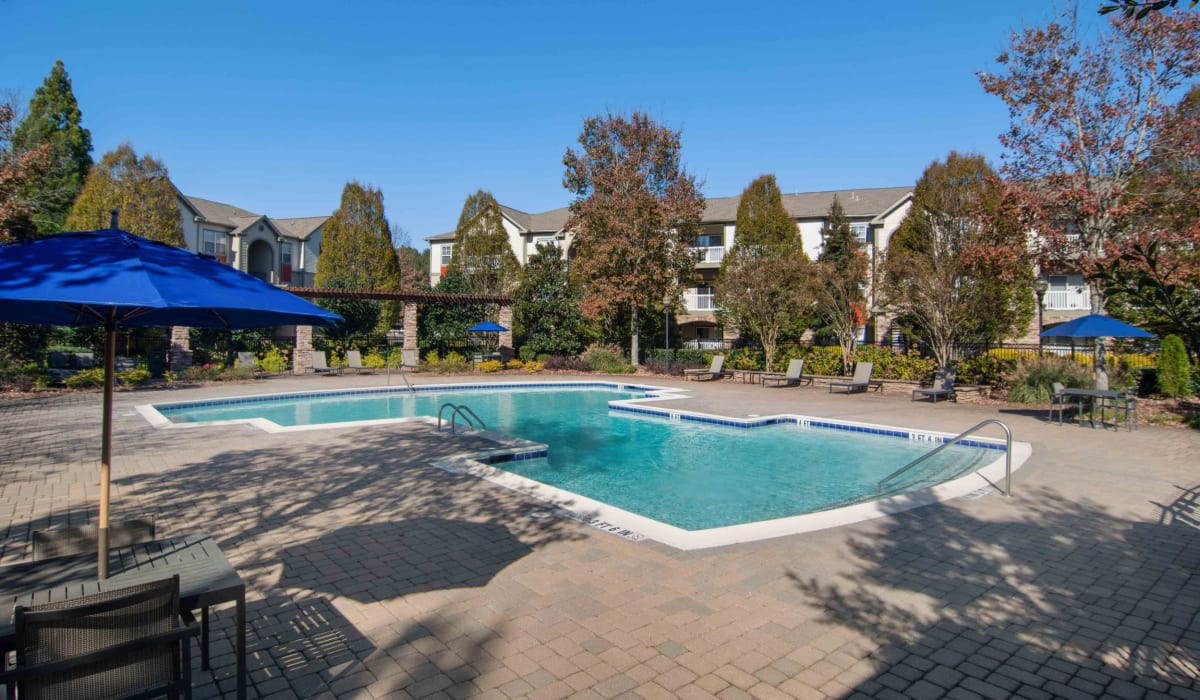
(447, 250)
(285, 253)
(859, 231)
(213, 243)
(540, 240)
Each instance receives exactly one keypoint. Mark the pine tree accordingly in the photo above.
(356, 249)
(482, 254)
(139, 188)
(761, 218)
(1174, 369)
(54, 118)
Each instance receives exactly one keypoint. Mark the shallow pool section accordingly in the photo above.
(597, 447)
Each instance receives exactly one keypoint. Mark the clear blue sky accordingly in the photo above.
(274, 106)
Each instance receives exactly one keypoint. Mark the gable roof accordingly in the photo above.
(240, 220)
(218, 213)
(302, 227)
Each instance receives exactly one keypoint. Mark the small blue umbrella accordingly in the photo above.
(486, 327)
(112, 278)
(1095, 326)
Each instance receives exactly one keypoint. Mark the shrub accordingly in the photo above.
(490, 366)
(514, 364)
(1031, 381)
(134, 377)
(1174, 369)
(374, 359)
(527, 352)
(274, 360)
(606, 358)
(984, 369)
(569, 364)
(533, 367)
(824, 360)
(661, 366)
(909, 366)
(431, 358)
(452, 364)
(85, 378)
(744, 358)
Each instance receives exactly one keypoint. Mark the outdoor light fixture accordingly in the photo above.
(1039, 288)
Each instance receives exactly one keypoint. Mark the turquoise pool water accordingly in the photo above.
(688, 474)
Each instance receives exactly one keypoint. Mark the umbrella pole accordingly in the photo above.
(110, 349)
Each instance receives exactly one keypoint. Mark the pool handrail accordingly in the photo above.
(1007, 490)
(400, 369)
(460, 410)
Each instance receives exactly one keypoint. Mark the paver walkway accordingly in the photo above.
(370, 574)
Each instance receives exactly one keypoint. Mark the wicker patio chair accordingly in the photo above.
(127, 643)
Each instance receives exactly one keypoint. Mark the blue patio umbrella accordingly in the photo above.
(114, 279)
(1095, 326)
(486, 327)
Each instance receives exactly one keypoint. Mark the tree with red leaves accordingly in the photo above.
(1084, 113)
(22, 172)
(634, 218)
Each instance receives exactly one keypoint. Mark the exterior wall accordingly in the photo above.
(309, 252)
(435, 260)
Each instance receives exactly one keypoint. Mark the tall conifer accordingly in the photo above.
(482, 254)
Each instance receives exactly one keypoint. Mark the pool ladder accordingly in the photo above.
(400, 371)
(1007, 490)
(463, 410)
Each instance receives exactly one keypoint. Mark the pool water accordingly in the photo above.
(688, 474)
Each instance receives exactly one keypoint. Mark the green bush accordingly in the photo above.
(489, 366)
(86, 378)
(909, 366)
(274, 360)
(453, 363)
(984, 369)
(134, 377)
(1031, 381)
(375, 359)
(527, 352)
(824, 360)
(606, 359)
(1174, 369)
(745, 358)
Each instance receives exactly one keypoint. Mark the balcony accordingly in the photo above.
(1070, 299)
(694, 302)
(711, 254)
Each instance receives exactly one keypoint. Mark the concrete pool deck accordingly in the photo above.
(371, 574)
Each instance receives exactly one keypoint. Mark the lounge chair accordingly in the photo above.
(861, 381)
(246, 360)
(320, 365)
(793, 376)
(128, 642)
(714, 370)
(354, 362)
(943, 386)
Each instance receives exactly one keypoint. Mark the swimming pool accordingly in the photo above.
(597, 445)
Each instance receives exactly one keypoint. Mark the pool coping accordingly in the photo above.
(631, 525)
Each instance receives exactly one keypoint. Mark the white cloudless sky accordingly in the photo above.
(272, 107)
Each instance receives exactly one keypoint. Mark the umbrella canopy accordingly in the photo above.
(1095, 326)
(486, 327)
(112, 278)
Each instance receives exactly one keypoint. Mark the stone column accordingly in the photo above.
(409, 352)
(506, 337)
(302, 356)
(181, 348)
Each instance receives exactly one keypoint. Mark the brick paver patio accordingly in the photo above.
(370, 574)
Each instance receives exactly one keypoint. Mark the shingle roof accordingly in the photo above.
(814, 205)
(302, 227)
(218, 213)
(868, 202)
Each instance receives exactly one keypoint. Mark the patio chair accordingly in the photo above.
(715, 370)
(66, 541)
(320, 365)
(354, 362)
(793, 377)
(126, 643)
(861, 381)
(1057, 400)
(943, 386)
(247, 360)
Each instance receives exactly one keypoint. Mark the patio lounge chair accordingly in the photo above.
(714, 370)
(861, 381)
(943, 386)
(354, 362)
(129, 642)
(320, 365)
(793, 377)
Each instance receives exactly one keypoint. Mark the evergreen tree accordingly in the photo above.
(1174, 369)
(635, 216)
(482, 254)
(444, 325)
(139, 188)
(761, 218)
(547, 305)
(840, 280)
(54, 119)
(356, 249)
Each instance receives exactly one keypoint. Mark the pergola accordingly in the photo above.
(302, 360)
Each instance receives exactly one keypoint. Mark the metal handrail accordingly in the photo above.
(1007, 490)
(463, 410)
(400, 370)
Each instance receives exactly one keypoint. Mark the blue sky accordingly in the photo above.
(274, 106)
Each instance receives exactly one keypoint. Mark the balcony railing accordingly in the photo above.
(711, 254)
(699, 302)
(698, 344)
(1068, 299)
